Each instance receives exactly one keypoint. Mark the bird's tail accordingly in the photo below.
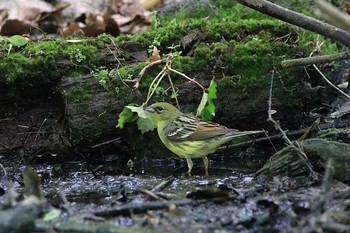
(237, 136)
(237, 133)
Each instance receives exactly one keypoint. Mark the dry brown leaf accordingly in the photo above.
(112, 27)
(3, 16)
(114, 5)
(21, 15)
(155, 55)
(347, 6)
(135, 25)
(130, 8)
(99, 23)
(24, 9)
(15, 27)
(95, 24)
(78, 8)
(68, 31)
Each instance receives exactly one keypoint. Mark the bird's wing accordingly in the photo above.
(207, 129)
(191, 128)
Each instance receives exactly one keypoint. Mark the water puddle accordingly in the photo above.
(103, 183)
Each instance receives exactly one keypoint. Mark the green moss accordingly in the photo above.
(13, 66)
(42, 64)
(308, 39)
(241, 45)
(124, 73)
(94, 123)
(85, 131)
(188, 65)
(78, 93)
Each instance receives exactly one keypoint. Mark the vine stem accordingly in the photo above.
(150, 93)
(188, 78)
(166, 70)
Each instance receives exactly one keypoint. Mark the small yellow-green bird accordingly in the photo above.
(190, 137)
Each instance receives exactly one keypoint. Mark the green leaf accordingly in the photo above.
(125, 116)
(17, 40)
(146, 124)
(202, 104)
(207, 106)
(174, 95)
(9, 47)
(32, 183)
(212, 90)
(52, 214)
(138, 109)
(130, 164)
(144, 120)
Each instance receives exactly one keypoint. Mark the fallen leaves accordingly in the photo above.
(87, 17)
(155, 55)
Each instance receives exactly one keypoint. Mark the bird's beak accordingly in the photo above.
(150, 109)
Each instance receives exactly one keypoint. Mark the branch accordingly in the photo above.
(330, 83)
(333, 15)
(137, 208)
(300, 152)
(300, 20)
(136, 80)
(315, 60)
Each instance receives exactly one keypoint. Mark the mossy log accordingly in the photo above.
(328, 144)
(84, 82)
(89, 106)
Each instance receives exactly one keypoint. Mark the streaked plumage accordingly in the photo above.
(190, 137)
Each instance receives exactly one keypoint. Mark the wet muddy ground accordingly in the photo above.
(114, 197)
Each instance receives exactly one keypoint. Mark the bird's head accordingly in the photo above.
(163, 112)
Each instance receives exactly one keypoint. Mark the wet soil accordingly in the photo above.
(229, 200)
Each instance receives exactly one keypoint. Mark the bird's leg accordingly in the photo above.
(189, 164)
(206, 164)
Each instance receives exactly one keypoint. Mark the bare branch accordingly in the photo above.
(333, 15)
(295, 146)
(136, 80)
(300, 20)
(315, 60)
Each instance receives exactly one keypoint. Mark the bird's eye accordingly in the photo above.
(160, 109)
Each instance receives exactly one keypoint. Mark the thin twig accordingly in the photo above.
(107, 142)
(36, 136)
(318, 49)
(152, 194)
(66, 203)
(270, 112)
(327, 177)
(4, 171)
(137, 79)
(153, 86)
(137, 208)
(330, 83)
(315, 60)
(174, 91)
(188, 78)
(333, 15)
(325, 188)
(301, 153)
(166, 70)
(167, 182)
